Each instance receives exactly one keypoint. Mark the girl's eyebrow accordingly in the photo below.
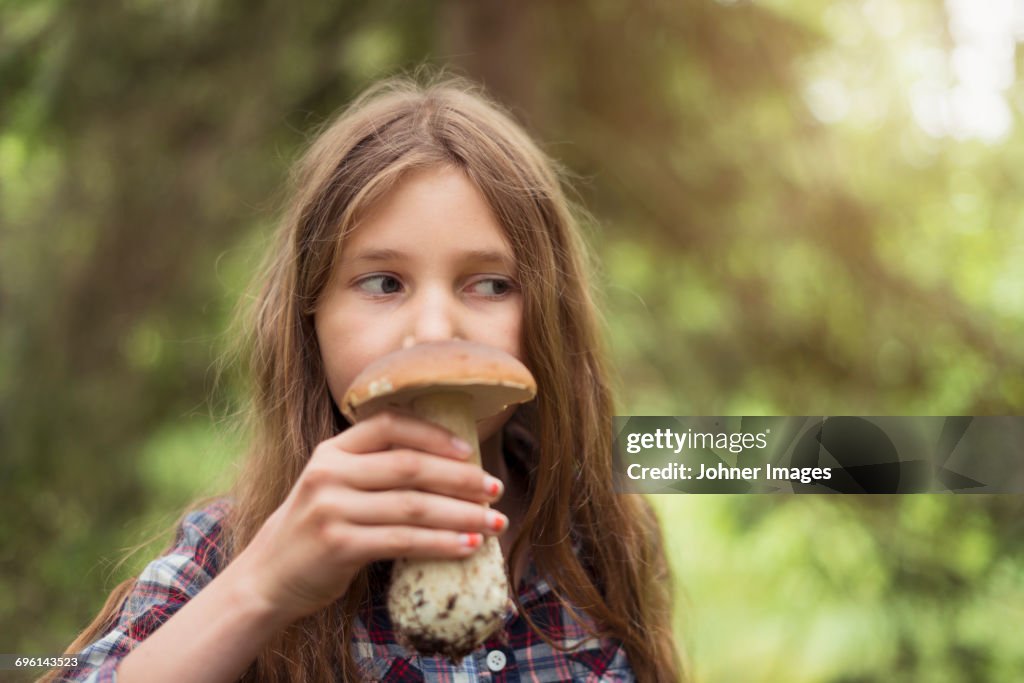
(489, 256)
(474, 255)
(378, 255)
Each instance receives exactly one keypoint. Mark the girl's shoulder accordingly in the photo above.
(200, 535)
(211, 511)
(196, 555)
(206, 518)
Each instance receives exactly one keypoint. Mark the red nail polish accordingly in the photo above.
(493, 486)
(496, 520)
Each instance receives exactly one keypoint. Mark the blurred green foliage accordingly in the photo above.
(782, 225)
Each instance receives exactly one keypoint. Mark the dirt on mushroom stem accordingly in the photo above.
(449, 607)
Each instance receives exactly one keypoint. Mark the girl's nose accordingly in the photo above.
(435, 318)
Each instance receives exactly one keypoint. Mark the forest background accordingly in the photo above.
(800, 207)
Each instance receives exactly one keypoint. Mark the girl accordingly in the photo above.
(420, 213)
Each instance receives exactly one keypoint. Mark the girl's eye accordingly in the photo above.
(493, 287)
(380, 284)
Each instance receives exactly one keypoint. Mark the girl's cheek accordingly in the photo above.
(506, 333)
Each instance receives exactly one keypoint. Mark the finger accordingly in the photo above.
(390, 542)
(408, 469)
(419, 509)
(387, 430)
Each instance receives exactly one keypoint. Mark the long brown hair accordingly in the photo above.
(620, 577)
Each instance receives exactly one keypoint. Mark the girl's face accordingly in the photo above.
(429, 262)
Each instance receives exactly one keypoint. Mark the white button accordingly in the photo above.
(496, 660)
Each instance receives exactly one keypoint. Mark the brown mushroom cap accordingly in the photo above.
(492, 377)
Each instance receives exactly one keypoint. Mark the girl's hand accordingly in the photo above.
(391, 486)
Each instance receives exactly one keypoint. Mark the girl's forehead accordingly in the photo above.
(430, 209)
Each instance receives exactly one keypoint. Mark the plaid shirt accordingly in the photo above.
(516, 654)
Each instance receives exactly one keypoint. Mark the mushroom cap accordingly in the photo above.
(493, 379)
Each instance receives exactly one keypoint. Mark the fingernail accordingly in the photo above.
(461, 446)
(496, 521)
(493, 486)
(470, 540)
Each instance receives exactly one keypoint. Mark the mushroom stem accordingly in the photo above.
(452, 410)
(450, 607)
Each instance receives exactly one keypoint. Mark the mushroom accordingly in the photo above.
(446, 607)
